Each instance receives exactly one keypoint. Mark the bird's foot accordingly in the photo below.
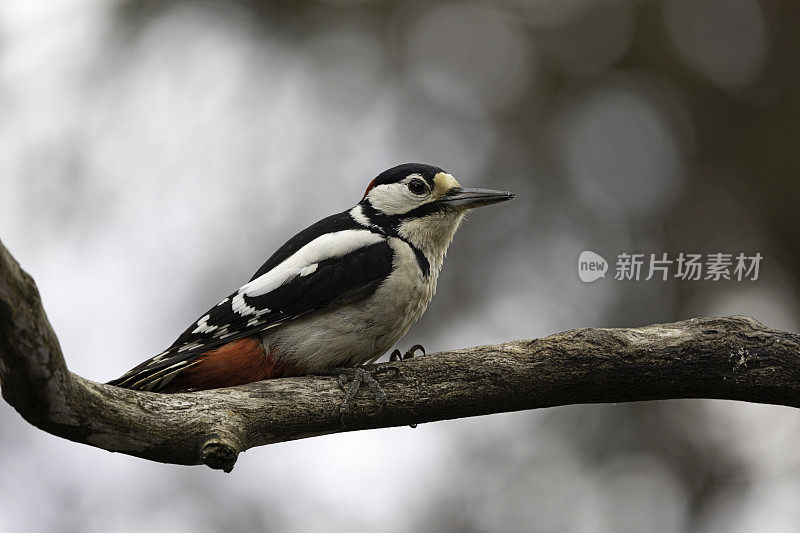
(397, 356)
(351, 379)
(410, 353)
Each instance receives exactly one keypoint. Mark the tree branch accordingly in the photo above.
(732, 358)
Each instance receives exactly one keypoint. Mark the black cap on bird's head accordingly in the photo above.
(415, 189)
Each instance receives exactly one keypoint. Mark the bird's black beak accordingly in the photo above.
(469, 198)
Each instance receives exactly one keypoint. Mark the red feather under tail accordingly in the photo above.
(235, 363)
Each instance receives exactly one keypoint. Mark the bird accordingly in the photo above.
(336, 296)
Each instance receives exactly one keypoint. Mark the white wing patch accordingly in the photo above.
(324, 247)
(160, 357)
(240, 306)
(203, 327)
(310, 269)
(190, 346)
(302, 263)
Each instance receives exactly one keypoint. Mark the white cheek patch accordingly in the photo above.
(396, 199)
(393, 198)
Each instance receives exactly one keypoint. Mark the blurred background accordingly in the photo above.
(154, 153)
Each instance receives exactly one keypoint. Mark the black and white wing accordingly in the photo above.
(317, 269)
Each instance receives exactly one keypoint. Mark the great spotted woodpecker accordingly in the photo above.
(338, 294)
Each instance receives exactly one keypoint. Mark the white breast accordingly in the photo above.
(361, 332)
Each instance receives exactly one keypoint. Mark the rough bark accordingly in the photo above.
(733, 358)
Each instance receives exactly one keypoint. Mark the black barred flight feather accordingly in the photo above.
(331, 263)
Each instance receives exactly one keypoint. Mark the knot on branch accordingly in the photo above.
(219, 453)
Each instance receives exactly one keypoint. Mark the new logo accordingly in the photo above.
(591, 266)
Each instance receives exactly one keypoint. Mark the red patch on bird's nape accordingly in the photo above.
(369, 188)
(235, 363)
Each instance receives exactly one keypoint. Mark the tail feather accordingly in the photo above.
(235, 363)
(151, 378)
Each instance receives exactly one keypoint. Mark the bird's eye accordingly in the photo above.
(417, 186)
